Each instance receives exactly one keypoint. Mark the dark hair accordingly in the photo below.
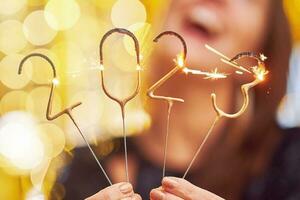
(235, 161)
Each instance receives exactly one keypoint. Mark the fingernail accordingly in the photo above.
(169, 183)
(157, 195)
(125, 188)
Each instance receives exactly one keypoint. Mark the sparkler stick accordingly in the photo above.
(122, 102)
(67, 111)
(170, 100)
(259, 74)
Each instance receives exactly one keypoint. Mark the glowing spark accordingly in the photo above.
(209, 75)
(259, 72)
(55, 81)
(101, 67)
(215, 75)
(263, 57)
(179, 60)
(239, 72)
(138, 68)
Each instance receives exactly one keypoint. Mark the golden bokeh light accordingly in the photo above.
(35, 194)
(143, 33)
(62, 14)
(137, 120)
(10, 7)
(9, 76)
(53, 138)
(13, 101)
(135, 13)
(89, 121)
(41, 69)
(86, 32)
(19, 141)
(36, 29)
(12, 38)
(38, 105)
(71, 55)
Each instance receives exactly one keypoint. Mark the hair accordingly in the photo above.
(248, 157)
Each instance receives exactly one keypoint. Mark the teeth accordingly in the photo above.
(207, 19)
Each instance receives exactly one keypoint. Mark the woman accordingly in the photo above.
(243, 158)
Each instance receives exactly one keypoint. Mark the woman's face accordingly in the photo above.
(231, 26)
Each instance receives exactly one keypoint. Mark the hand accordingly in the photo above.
(178, 189)
(119, 191)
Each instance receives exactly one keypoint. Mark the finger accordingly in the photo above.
(114, 192)
(186, 190)
(136, 197)
(157, 194)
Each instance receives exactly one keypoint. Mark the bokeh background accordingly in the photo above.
(32, 149)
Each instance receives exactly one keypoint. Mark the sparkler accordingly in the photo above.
(179, 65)
(122, 102)
(180, 61)
(67, 111)
(258, 72)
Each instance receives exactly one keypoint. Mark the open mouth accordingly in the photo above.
(198, 29)
(203, 23)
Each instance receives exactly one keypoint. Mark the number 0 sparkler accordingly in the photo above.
(122, 102)
(67, 111)
(258, 72)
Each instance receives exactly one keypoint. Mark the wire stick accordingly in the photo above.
(170, 105)
(125, 143)
(201, 145)
(89, 146)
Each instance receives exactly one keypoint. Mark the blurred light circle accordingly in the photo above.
(62, 14)
(35, 194)
(42, 71)
(13, 101)
(10, 7)
(19, 141)
(88, 115)
(12, 38)
(9, 76)
(53, 137)
(127, 12)
(142, 33)
(71, 54)
(36, 29)
(38, 105)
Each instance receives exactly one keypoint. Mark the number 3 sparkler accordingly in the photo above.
(259, 73)
(122, 102)
(67, 111)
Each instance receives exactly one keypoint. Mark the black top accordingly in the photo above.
(82, 177)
